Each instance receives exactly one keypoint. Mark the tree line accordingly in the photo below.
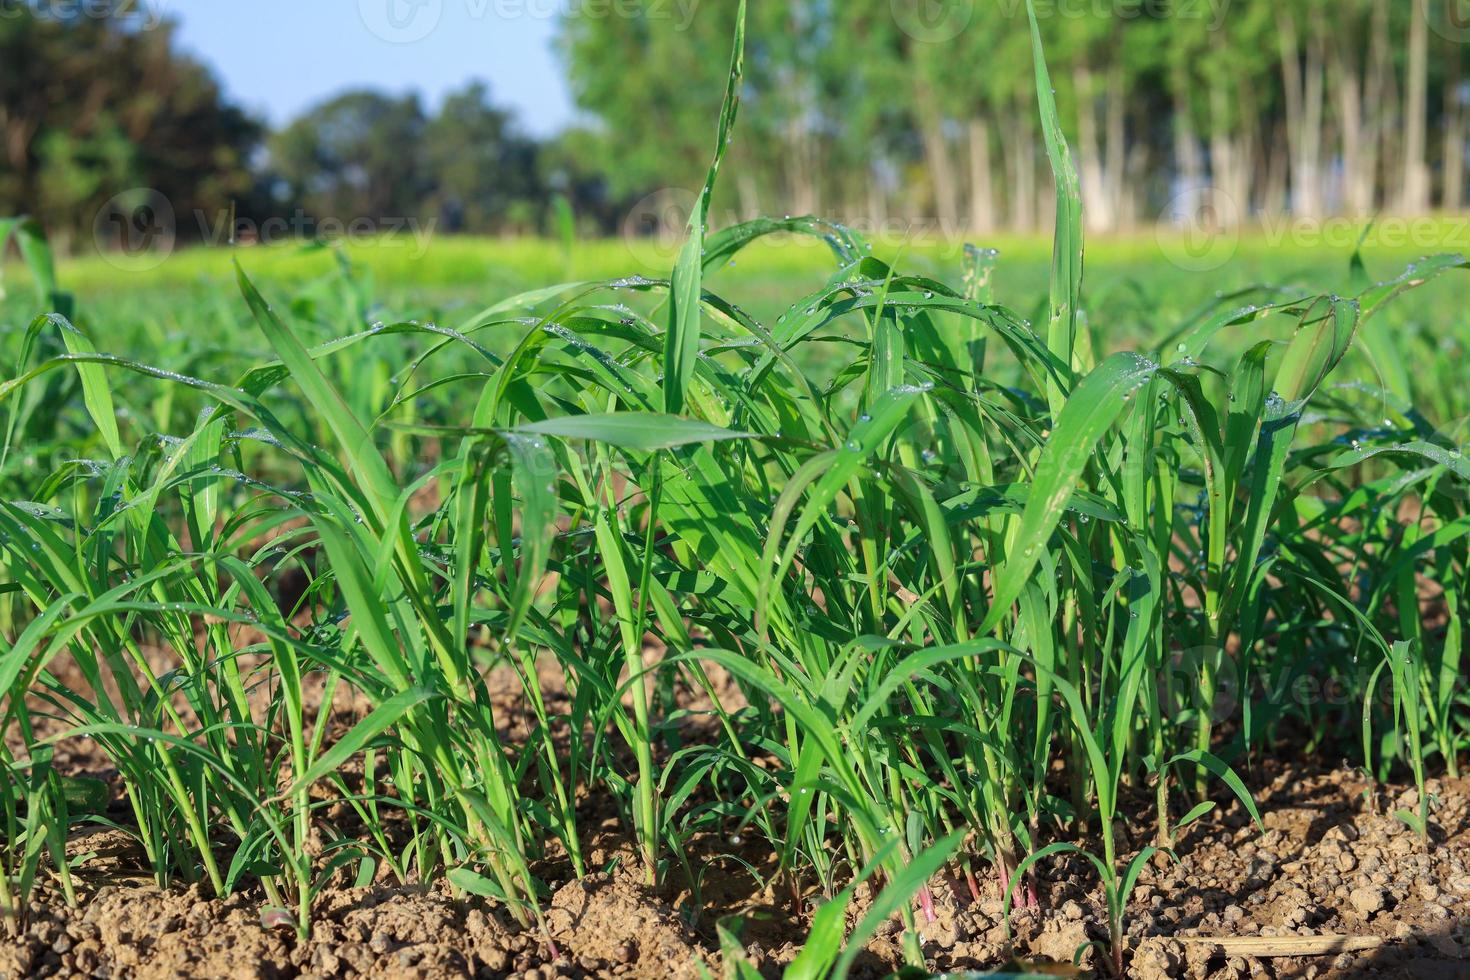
(864, 110)
(926, 109)
(100, 109)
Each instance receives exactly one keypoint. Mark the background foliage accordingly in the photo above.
(866, 110)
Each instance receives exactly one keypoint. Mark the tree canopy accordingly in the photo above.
(867, 107)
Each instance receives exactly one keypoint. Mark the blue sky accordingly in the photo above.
(278, 57)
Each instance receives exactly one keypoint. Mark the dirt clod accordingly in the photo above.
(1367, 899)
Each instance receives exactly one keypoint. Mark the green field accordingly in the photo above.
(1160, 262)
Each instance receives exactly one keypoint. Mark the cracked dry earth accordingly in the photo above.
(1332, 861)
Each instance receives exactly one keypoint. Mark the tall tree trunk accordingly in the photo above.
(1115, 125)
(1248, 148)
(750, 204)
(877, 208)
(1390, 135)
(1303, 88)
(1291, 84)
(800, 167)
(1278, 168)
(1375, 87)
(1315, 93)
(941, 172)
(937, 157)
(1135, 190)
(1187, 157)
(1021, 167)
(1227, 167)
(1454, 136)
(1347, 87)
(982, 194)
(1097, 209)
(1416, 111)
(1138, 169)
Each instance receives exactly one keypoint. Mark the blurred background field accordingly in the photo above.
(1150, 264)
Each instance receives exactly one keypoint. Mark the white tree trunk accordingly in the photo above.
(1021, 167)
(941, 171)
(1228, 174)
(1187, 156)
(1454, 138)
(982, 193)
(1415, 198)
(1097, 208)
(1302, 85)
(1115, 122)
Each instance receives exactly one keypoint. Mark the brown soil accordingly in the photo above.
(1332, 861)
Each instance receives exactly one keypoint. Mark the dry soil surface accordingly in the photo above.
(1332, 861)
